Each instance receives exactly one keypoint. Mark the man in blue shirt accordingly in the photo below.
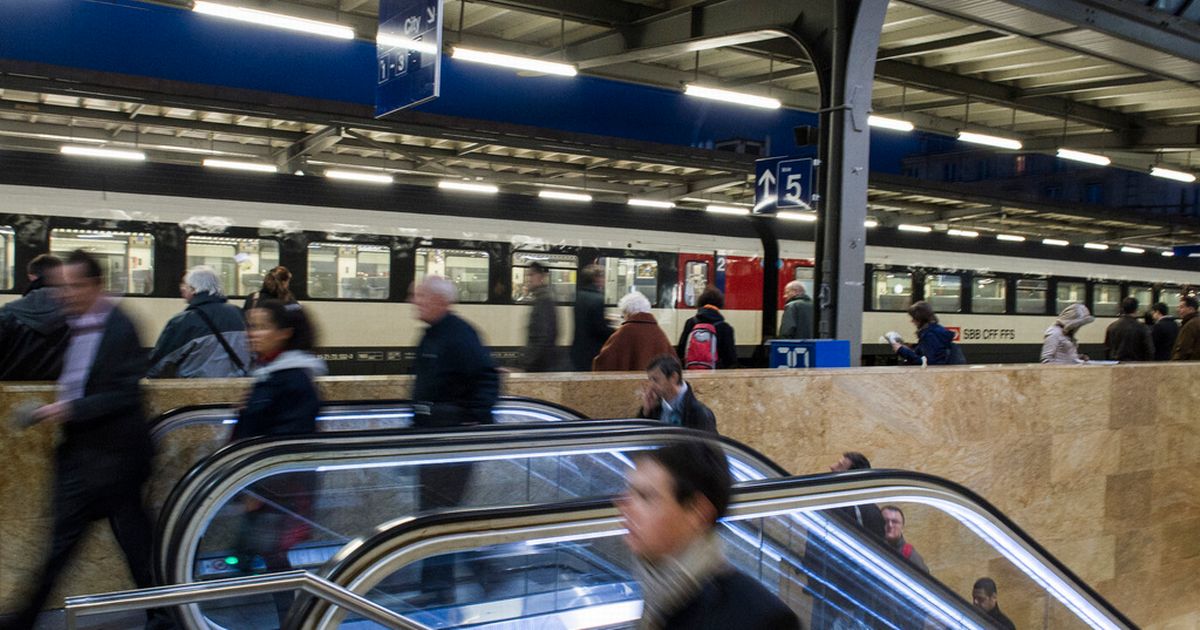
(668, 398)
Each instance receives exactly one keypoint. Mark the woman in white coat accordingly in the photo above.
(1059, 345)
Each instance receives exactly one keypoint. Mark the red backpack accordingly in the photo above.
(701, 350)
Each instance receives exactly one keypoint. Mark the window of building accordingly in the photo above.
(943, 291)
(1031, 295)
(950, 172)
(626, 275)
(241, 263)
(1145, 297)
(562, 267)
(1069, 293)
(126, 258)
(988, 295)
(892, 290)
(8, 266)
(695, 281)
(349, 271)
(468, 269)
(1106, 299)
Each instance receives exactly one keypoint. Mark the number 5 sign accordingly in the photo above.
(783, 183)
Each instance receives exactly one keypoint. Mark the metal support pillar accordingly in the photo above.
(770, 262)
(846, 77)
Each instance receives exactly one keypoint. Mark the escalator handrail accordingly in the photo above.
(788, 494)
(163, 423)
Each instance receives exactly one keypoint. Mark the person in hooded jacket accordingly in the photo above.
(636, 342)
(1059, 344)
(283, 401)
(935, 343)
(33, 329)
(709, 312)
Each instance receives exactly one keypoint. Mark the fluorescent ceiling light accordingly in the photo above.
(1167, 173)
(565, 196)
(257, 167)
(1080, 156)
(359, 176)
(732, 97)
(1132, 250)
(1013, 238)
(277, 20)
(469, 187)
(991, 141)
(870, 223)
(966, 233)
(1057, 242)
(100, 152)
(1168, 253)
(889, 123)
(1100, 246)
(400, 41)
(715, 209)
(797, 216)
(905, 227)
(651, 203)
(513, 61)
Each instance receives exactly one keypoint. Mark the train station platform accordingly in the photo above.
(1094, 462)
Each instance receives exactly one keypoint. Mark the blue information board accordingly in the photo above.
(783, 183)
(809, 353)
(408, 54)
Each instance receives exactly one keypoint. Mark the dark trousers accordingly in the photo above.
(86, 489)
(441, 486)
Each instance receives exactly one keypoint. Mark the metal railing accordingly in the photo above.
(179, 594)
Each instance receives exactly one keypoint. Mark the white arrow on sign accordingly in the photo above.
(767, 182)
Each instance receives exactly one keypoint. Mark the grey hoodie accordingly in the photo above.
(291, 359)
(1059, 345)
(33, 337)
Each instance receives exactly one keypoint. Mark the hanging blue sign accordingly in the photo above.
(408, 54)
(783, 183)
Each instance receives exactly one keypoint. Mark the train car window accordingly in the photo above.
(626, 275)
(127, 258)
(1170, 296)
(241, 263)
(1106, 299)
(349, 271)
(8, 270)
(1031, 296)
(695, 281)
(1069, 293)
(1144, 296)
(943, 291)
(466, 268)
(988, 294)
(893, 290)
(563, 268)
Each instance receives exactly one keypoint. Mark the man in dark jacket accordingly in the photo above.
(797, 322)
(983, 595)
(104, 456)
(669, 399)
(33, 330)
(456, 385)
(591, 328)
(206, 340)
(711, 302)
(675, 496)
(541, 347)
(1163, 333)
(1187, 344)
(1128, 339)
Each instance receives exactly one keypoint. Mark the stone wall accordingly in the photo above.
(1096, 462)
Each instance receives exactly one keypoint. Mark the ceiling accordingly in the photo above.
(1016, 68)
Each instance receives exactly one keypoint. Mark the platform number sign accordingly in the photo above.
(783, 183)
(408, 54)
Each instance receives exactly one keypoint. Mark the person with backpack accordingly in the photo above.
(707, 342)
(636, 342)
(208, 339)
(935, 344)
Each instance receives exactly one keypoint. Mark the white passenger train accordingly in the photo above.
(353, 264)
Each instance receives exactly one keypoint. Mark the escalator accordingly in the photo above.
(346, 502)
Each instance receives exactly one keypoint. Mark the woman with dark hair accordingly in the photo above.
(274, 287)
(935, 344)
(709, 313)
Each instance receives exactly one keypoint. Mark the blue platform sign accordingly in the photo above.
(783, 183)
(408, 54)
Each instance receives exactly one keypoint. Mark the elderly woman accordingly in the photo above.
(1059, 344)
(636, 341)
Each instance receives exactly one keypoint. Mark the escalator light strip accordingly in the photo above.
(482, 458)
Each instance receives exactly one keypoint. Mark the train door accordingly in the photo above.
(743, 282)
(695, 274)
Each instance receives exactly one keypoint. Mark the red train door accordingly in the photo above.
(696, 273)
